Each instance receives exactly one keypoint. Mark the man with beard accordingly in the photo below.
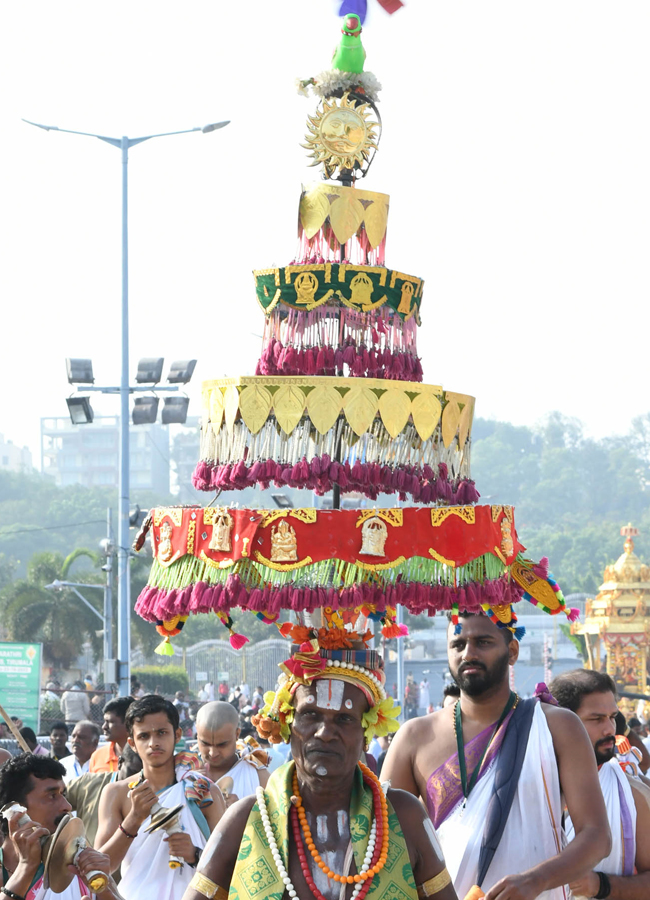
(491, 770)
(592, 696)
(36, 783)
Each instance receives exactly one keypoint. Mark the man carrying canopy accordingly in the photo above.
(324, 827)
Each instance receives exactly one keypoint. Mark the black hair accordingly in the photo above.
(634, 722)
(507, 634)
(451, 690)
(58, 726)
(16, 779)
(118, 706)
(28, 733)
(147, 706)
(570, 688)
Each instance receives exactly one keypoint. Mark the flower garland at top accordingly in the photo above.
(322, 654)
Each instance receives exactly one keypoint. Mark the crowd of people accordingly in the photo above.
(490, 794)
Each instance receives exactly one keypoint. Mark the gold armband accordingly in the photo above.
(435, 884)
(207, 887)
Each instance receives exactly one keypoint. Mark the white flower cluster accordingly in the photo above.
(325, 84)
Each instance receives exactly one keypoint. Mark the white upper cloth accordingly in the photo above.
(75, 890)
(245, 778)
(73, 768)
(533, 832)
(145, 868)
(616, 789)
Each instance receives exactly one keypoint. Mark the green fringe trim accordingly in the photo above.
(330, 572)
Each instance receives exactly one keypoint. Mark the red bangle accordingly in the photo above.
(126, 833)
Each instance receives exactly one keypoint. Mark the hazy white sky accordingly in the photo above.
(515, 150)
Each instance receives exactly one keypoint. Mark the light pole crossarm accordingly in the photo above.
(57, 585)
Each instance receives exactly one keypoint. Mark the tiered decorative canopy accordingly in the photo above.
(338, 404)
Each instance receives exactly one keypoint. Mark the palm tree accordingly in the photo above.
(58, 619)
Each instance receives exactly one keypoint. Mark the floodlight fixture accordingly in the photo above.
(175, 410)
(81, 412)
(181, 371)
(145, 410)
(150, 370)
(282, 501)
(80, 371)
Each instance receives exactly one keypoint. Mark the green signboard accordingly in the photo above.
(20, 681)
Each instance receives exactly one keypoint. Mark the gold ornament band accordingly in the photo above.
(207, 887)
(434, 885)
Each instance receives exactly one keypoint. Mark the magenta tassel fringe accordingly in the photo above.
(320, 474)
(156, 603)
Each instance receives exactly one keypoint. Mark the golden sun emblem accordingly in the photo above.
(341, 135)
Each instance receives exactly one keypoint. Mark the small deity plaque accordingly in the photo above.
(284, 544)
(165, 549)
(221, 532)
(374, 533)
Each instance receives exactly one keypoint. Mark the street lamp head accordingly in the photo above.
(44, 127)
(55, 586)
(214, 126)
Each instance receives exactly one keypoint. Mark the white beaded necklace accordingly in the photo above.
(277, 857)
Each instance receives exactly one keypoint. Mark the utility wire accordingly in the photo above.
(50, 527)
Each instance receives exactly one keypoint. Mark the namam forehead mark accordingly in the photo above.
(307, 697)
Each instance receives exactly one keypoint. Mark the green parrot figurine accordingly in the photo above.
(350, 56)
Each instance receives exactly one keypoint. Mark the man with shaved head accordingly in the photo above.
(217, 730)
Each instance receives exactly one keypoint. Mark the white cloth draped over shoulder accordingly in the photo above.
(533, 832)
(621, 814)
(145, 868)
(75, 890)
(245, 778)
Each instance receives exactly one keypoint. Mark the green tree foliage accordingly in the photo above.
(571, 493)
(57, 618)
(166, 679)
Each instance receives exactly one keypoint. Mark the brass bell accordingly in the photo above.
(169, 820)
(226, 785)
(61, 850)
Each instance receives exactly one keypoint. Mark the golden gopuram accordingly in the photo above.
(619, 619)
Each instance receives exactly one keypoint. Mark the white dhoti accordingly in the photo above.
(145, 869)
(533, 832)
(621, 815)
(75, 890)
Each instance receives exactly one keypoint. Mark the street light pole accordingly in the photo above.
(124, 587)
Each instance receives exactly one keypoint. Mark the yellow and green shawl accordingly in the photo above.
(255, 875)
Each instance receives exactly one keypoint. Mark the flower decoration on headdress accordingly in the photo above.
(274, 720)
(381, 719)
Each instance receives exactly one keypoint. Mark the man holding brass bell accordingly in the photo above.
(44, 852)
(155, 827)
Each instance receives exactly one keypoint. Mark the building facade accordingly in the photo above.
(14, 458)
(89, 454)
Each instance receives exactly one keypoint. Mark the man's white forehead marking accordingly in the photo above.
(329, 693)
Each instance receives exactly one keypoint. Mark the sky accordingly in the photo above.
(515, 150)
